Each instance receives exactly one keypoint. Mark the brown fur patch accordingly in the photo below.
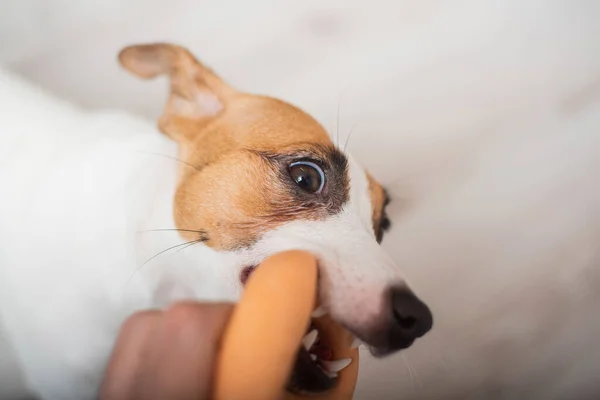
(379, 200)
(243, 187)
(241, 195)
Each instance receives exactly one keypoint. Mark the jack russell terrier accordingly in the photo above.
(101, 217)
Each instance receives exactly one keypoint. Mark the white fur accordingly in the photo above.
(79, 190)
(83, 196)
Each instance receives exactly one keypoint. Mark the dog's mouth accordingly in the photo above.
(320, 360)
(328, 354)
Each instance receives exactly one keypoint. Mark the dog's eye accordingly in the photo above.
(308, 175)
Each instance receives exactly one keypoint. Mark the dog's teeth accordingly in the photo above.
(313, 357)
(310, 339)
(331, 374)
(319, 312)
(336, 366)
(355, 343)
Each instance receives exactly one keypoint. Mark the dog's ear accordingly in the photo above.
(197, 93)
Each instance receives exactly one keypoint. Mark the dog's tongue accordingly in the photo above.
(337, 342)
(322, 351)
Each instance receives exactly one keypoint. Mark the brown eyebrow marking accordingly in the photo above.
(384, 223)
(379, 199)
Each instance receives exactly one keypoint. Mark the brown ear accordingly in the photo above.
(197, 93)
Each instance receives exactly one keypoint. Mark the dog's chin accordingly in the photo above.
(385, 351)
(312, 372)
(379, 352)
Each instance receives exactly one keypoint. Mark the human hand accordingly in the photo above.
(166, 354)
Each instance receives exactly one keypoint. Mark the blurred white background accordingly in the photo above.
(426, 87)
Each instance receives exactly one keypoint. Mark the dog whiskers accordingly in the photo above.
(412, 373)
(189, 245)
(348, 137)
(337, 125)
(170, 248)
(200, 232)
(191, 242)
(174, 159)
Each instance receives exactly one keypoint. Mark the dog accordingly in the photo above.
(102, 216)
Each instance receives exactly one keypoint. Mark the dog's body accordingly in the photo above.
(69, 233)
(102, 216)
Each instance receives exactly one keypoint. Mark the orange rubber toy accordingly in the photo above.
(262, 339)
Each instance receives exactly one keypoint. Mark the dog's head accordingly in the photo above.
(261, 176)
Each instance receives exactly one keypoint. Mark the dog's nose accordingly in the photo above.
(411, 318)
